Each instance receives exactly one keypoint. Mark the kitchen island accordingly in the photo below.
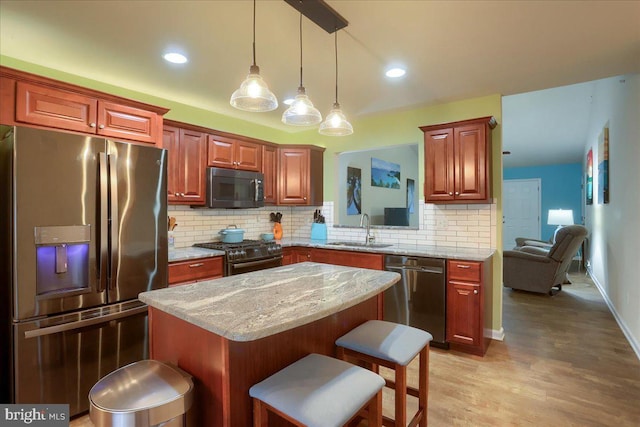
(233, 332)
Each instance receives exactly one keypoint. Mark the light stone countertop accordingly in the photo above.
(183, 254)
(448, 252)
(250, 306)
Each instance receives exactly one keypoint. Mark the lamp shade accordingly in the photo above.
(254, 94)
(560, 217)
(336, 123)
(301, 112)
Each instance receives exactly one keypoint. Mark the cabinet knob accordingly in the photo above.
(450, 193)
(475, 291)
(92, 125)
(304, 198)
(101, 126)
(457, 193)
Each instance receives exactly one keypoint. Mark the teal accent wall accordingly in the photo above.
(561, 189)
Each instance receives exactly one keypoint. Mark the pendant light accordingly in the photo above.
(254, 94)
(301, 112)
(336, 123)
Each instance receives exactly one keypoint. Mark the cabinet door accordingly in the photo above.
(270, 171)
(54, 108)
(293, 186)
(470, 160)
(193, 154)
(301, 255)
(171, 142)
(463, 313)
(348, 258)
(287, 256)
(220, 152)
(439, 165)
(122, 121)
(195, 270)
(248, 156)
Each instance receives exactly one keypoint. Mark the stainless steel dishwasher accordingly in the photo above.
(419, 298)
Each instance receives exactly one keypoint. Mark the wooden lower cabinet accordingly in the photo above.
(195, 270)
(466, 283)
(295, 254)
(348, 258)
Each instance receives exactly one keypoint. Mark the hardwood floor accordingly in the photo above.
(564, 362)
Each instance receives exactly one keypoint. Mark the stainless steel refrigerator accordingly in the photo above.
(83, 232)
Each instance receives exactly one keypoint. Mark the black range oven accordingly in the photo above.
(248, 255)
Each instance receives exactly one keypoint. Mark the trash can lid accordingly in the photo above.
(139, 386)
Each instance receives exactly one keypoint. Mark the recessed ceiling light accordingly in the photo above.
(288, 101)
(175, 58)
(395, 72)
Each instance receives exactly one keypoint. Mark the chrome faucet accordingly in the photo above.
(368, 238)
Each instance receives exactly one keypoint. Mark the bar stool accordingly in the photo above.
(318, 391)
(393, 346)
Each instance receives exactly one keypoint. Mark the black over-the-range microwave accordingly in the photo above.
(230, 188)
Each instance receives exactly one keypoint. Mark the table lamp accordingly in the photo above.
(559, 217)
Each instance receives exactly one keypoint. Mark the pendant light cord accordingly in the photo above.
(301, 50)
(336, 50)
(254, 33)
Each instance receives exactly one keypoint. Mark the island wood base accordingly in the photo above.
(224, 370)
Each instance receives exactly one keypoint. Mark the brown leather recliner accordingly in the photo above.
(537, 269)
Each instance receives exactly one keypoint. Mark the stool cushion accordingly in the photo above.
(386, 340)
(319, 390)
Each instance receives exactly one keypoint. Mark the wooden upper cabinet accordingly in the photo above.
(186, 167)
(300, 176)
(270, 172)
(121, 121)
(458, 161)
(51, 107)
(232, 153)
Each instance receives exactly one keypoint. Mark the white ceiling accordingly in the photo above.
(453, 50)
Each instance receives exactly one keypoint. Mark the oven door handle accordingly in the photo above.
(254, 263)
(83, 323)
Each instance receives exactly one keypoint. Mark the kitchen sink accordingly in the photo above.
(360, 244)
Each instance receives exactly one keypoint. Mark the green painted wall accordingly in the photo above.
(373, 131)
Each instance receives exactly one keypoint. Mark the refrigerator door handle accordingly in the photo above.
(50, 330)
(103, 228)
(114, 222)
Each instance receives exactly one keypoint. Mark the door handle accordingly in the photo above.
(83, 323)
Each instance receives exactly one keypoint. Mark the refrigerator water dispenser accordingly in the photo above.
(62, 259)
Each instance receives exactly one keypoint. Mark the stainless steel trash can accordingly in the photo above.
(143, 394)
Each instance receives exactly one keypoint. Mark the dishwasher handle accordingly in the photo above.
(434, 270)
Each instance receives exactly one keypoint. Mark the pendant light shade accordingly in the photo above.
(336, 123)
(301, 112)
(254, 94)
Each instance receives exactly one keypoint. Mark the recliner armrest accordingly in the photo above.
(537, 250)
(541, 258)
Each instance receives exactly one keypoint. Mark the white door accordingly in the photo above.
(521, 210)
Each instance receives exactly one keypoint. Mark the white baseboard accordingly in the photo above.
(623, 326)
(494, 334)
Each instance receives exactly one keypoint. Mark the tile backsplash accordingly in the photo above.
(464, 226)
